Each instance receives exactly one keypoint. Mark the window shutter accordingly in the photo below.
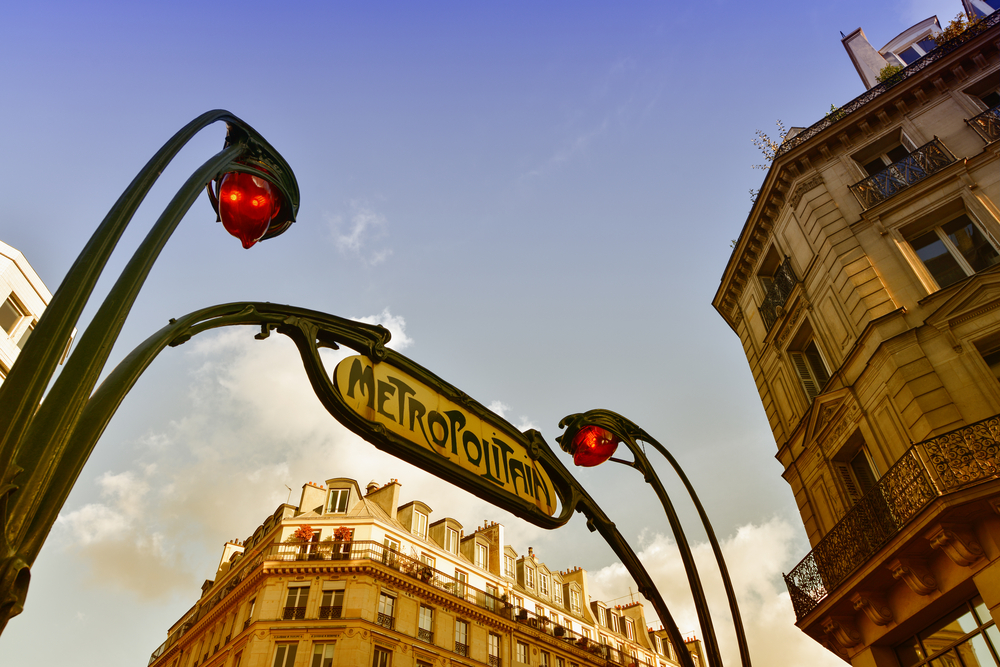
(844, 470)
(802, 369)
(863, 472)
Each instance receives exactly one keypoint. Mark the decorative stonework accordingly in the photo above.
(803, 188)
(956, 541)
(875, 607)
(793, 319)
(915, 574)
(841, 630)
(848, 421)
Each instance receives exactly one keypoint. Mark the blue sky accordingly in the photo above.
(538, 198)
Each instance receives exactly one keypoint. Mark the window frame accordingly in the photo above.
(323, 647)
(419, 524)
(909, 233)
(287, 652)
(345, 494)
(381, 657)
(482, 554)
(451, 540)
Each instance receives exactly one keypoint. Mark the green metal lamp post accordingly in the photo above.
(592, 438)
(39, 457)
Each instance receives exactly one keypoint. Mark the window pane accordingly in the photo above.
(975, 653)
(935, 256)
(994, 636)
(897, 153)
(9, 315)
(909, 55)
(816, 365)
(972, 243)
(24, 336)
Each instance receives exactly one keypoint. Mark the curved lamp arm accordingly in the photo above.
(630, 433)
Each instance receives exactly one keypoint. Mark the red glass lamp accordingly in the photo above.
(247, 206)
(592, 446)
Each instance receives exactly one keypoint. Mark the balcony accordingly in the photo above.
(385, 620)
(777, 295)
(293, 613)
(326, 613)
(928, 470)
(930, 158)
(462, 649)
(425, 635)
(987, 124)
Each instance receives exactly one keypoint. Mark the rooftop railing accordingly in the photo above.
(911, 70)
(926, 471)
(987, 124)
(930, 158)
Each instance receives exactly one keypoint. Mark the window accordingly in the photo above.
(953, 250)
(629, 628)
(602, 616)
(963, 637)
(612, 622)
(331, 604)
(451, 540)
(809, 364)
(428, 560)
(587, 634)
(425, 630)
(557, 591)
(461, 583)
(10, 314)
(911, 53)
(382, 657)
(295, 602)
(989, 350)
(508, 566)
(529, 577)
(284, 654)
(419, 524)
(492, 594)
(322, 655)
(386, 610)
(560, 662)
(543, 659)
(390, 554)
(855, 468)
(482, 556)
(522, 652)
(884, 153)
(574, 600)
(493, 648)
(337, 502)
(461, 637)
(250, 608)
(518, 603)
(543, 584)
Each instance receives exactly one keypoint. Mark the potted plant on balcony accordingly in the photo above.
(522, 614)
(559, 631)
(305, 533)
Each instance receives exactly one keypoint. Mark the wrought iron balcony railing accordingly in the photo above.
(910, 70)
(330, 612)
(386, 621)
(293, 613)
(777, 295)
(425, 635)
(462, 649)
(927, 470)
(987, 124)
(930, 158)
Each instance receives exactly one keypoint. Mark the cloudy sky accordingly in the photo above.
(538, 199)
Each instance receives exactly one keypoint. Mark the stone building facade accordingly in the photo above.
(865, 290)
(352, 578)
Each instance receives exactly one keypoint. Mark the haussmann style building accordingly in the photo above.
(865, 290)
(355, 578)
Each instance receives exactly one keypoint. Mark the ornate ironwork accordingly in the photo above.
(330, 612)
(911, 70)
(293, 613)
(777, 295)
(425, 635)
(385, 620)
(955, 459)
(987, 124)
(494, 661)
(915, 167)
(462, 649)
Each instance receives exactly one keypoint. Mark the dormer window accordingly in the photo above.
(482, 556)
(913, 52)
(451, 540)
(337, 501)
(419, 524)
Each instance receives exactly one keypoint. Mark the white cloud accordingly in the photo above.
(365, 228)
(396, 326)
(755, 558)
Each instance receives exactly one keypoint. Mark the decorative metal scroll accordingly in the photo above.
(987, 124)
(776, 297)
(956, 459)
(915, 167)
(911, 70)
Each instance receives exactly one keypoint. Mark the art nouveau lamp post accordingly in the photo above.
(256, 198)
(592, 438)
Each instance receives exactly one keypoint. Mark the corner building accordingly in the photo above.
(352, 578)
(865, 290)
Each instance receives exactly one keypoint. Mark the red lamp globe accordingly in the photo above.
(247, 204)
(593, 445)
